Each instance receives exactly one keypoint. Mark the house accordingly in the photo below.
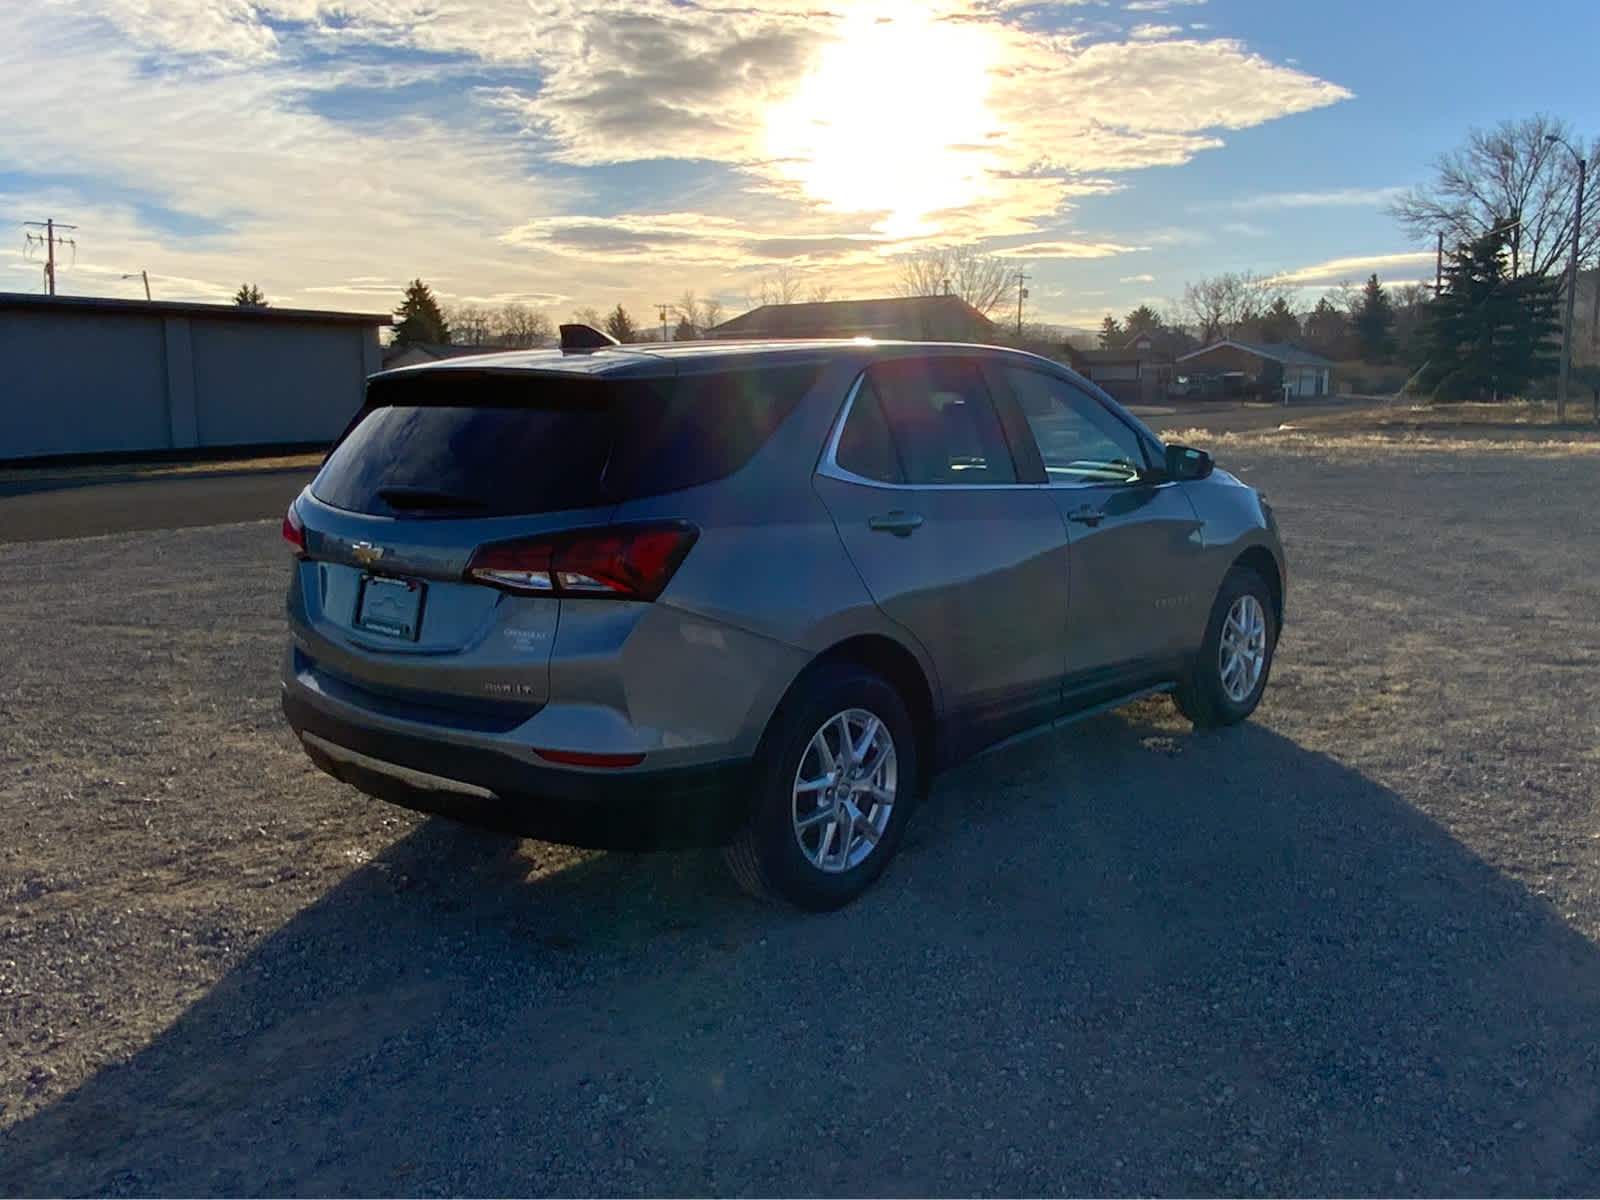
(95, 375)
(1138, 372)
(909, 318)
(1279, 368)
(410, 354)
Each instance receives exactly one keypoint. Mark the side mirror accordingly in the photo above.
(1185, 463)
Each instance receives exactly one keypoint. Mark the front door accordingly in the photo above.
(923, 488)
(1135, 539)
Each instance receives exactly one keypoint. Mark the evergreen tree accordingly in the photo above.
(1327, 330)
(419, 318)
(1488, 334)
(620, 325)
(1110, 333)
(249, 296)
(1141, 320)
(1374, 319)
(1279, 324)
(685, 331)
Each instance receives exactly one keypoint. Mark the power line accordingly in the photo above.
(49, 241)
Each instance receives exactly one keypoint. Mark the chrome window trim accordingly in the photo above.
(829, 465)
(1149, 443)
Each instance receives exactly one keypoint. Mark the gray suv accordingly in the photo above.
(753, 595)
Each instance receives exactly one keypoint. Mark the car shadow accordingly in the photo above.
(1120, 958)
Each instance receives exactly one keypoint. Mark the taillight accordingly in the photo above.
(294, 532)
(625, 562)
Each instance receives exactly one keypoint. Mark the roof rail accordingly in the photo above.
(585, 337)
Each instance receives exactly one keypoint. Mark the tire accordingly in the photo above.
(795, 847)
(1240, 638)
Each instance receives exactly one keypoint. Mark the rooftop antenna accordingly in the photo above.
(585, 337)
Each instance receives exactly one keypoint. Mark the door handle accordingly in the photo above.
(901, 524)
(1087, 516)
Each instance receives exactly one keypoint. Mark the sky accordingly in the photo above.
(566, 155)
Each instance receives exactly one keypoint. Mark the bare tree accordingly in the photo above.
(696, 314)
(782, 286)
(819, 293)
(1509, 177)
(688, 310)
(1346, 297)
(982, 280)
(519, 327)
(470, 325)
(1232, 304)
(589, 316)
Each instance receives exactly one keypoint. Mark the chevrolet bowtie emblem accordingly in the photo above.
(366, 553)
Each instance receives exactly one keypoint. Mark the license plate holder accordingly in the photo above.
(391, 607)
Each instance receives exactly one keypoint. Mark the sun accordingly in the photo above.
(893, 118)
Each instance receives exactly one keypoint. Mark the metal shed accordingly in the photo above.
(85, 375)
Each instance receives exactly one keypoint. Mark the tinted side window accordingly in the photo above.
(942, 422)
(701, 428)
(865, 447)
(1079, 440)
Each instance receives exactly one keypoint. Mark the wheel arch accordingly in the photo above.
(901, 669)
(1263, 562)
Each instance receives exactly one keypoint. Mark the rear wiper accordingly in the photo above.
(405, 498)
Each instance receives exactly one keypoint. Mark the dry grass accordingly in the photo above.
(1523, 428)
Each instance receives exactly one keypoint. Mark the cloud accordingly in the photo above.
(1137, 279)
(1339, 270)
(1069, 249)
(332, 148)
(1149, 33)
(691, 238)
(1159, 5)
(639, 86)
(1335, 198)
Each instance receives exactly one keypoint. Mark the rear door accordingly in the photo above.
(1135, 606)
(924, 490)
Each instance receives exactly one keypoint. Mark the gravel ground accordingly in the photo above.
(1346, 948)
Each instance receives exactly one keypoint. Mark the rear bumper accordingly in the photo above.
(636, 810)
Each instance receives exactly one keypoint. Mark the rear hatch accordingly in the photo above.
(439, 536)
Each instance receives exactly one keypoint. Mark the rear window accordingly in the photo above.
(479, 444)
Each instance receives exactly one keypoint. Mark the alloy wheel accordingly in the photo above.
(844, 790)
(1242, 651)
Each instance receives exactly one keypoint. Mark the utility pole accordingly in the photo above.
(663, 308)
(1572, 280)
(1438, 268)
(1022, 294)
(48, 241)
(144, 275)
